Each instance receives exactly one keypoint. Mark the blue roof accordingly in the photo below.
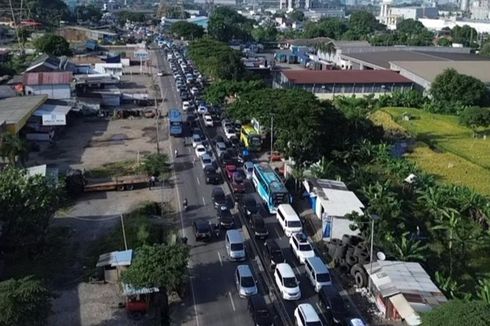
(273, 180)
(174, 114)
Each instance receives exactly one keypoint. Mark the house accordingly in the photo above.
(57, 85)
(46, 63)
(326, 84)
(113, 69)
(113, 263)
(46, 121)
(402, 290)
(331, 201)
(16, 111)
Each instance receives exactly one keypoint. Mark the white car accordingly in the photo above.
(200, 150)
(286, 282)
(186, 105)
(196, 140)
(208, 120)
(301, 247)
(194, 90)
(206, 159)
(306, 315)
(202, 109)
(230, 133)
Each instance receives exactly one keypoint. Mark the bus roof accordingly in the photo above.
(273, 180)
(249, 129)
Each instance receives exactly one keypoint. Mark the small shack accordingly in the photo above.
(111, 264)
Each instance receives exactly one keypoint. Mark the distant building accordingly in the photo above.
(439, 24)
(57, 85)
(318, 13)
(82, 34)
(391, 16)
(480, 9)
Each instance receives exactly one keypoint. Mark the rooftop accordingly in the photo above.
(115, 258)
(428, 70)
(16, 110)
(48, 78)
(53, 63)
(343, 76)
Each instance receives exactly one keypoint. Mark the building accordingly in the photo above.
(57, 85)
(113, 69)
(7, 91)
(439, 24)
(331, 201)
(391, 16)
(46, 63)
(326, 84)
(113, 263)
(480, 9)
(82, 34)
(16, 111)
(402, 290)
(318, 13)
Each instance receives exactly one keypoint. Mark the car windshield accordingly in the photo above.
(238, 177)
(248, 281)
(202, 227)
(313, 323)
(263, 313)
(305, 247)
(290, 282)
(277, 256)
(322, 278)
(236, 246)
(294, 224)
(206, 160)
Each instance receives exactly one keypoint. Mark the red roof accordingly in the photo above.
(343, 76)
(48, 78)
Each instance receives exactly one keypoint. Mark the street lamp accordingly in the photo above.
(374, 218)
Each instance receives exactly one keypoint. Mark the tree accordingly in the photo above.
(362, 23)
(406, 249)
(48, 12)
(188, 31)
(325, 27)
(485, 49)
(225, 24)
(160, 265)
(475, 117)
(53, 45)
(296, 15)
(136, 17)
(218, 92)
(26, 205)
(88, 13)
(265, 33)
(413, 32)
(12, 148)
(451, 87)
(444, 41)
(458, 312)
(156, 165)
(465, 35)
(24, 302)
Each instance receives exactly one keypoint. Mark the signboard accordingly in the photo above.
(54, 120)
(142, 55)
(326, 227)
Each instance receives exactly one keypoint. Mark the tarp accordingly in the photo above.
(405, 310)
(53, 115)
(130, 290)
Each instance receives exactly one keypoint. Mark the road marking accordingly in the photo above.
(203, 201)
(277, 233)
(232, 303)
(318, 306)
(198, 182)
(194, 301)
(220, 260)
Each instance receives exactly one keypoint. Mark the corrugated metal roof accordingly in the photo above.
(48, 78)
(343, 76)
(115, 258)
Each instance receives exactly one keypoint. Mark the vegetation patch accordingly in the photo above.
(115, 169)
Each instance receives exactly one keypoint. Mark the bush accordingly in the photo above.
(475, 117)
(457, 312)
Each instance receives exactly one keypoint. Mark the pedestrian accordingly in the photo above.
(151, 182)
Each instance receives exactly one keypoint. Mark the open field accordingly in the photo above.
(444, 148)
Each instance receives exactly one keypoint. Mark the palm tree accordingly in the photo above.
(12, 148)
(432, 200)
(448, 285)
(407, 249)
(483, 290)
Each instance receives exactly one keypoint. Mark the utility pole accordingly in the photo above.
(272, 136)
(124, 232)
(157, 118)
(373, 219)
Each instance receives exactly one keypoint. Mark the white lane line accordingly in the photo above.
(220, 260)
(198, 182)
(318, 306)
(277, 233)
(194, 301)
(204, 201)
(232, 303)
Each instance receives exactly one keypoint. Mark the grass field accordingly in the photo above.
(459, 158)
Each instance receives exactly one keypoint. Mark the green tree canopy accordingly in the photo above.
(160, 265)
(48, 12)
(325, 27)
(88, 13)
(443, 41)
(188, 31)
(217, 92)
(301, 122)
(296, 15)
(53, 45)
(465, 35)
(455, 88)
(216, 59)
(156, 165)
(457, 312)
(485, 49)
(225, 24)
(363, 23)
(26, 205)
(136, 17)
(475, 117)
(24, 302)
(266, 33)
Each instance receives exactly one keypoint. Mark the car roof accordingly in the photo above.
(271, 243)
(201, 222)
(318, 264)
(309, 312)
(235, 236)
(206, 156)
(244, 270)
(285, 270)
(218, 190)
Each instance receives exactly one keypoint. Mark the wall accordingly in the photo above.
(53, 91)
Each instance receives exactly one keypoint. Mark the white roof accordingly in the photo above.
(47, 109)
(109, 65)
(394, 277)
(130, 290)
(116, 258)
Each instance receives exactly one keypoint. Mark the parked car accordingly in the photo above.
(260, 311)
(301, 247)
(186, 105)
(273, 253)
(245, 282)
(218, 196)
(230, 133)
(202, 229)
(206, 160)
(305, 315)
(202, 109)
(211, 175)
(249, 169)
(220, 148)
(197, 139)
(225, 217)
(257, 224)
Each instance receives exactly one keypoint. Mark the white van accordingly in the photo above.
(286, 282)
(235, 245)
(317, 272)
(288, 219)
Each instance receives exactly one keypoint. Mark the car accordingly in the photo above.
(160, 74)
(249, 205)
(259, 310)
(220, 147)
(238, 181)
(202, 229)
(211, 174)
(208, 121)
(249, 169)
(230, 169)
(273, 253)
(200, 150)
(230, 133)
(257, 224)
(286, 282)
(194, 90)
(305, 315)
(225, 217)
(301, 247)
(227, 158)
(219, 139)
(206, 160)
(197, 139)
(218, 197)
(246, 284)
(332, 302)
(202, 109)
(186, 105)
(226, 123)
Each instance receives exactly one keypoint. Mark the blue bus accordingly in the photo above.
(176, 123)
(269, 186)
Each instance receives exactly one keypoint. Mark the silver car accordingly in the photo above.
(245, 282)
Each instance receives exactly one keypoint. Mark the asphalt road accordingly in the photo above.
(214, 297)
